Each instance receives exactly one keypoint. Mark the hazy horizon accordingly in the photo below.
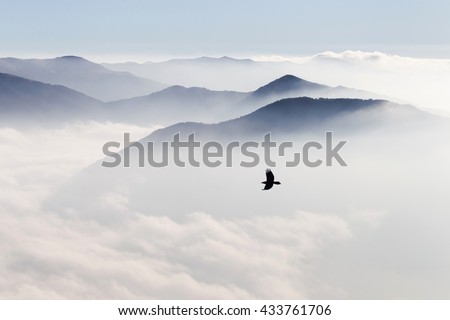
(260, 57)
(135, 29)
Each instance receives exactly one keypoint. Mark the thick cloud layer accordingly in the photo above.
(45, 255)
(390, 248)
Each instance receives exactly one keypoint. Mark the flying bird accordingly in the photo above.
(269, 180)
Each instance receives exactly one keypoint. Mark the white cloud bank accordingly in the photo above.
(307, 253)
(45, 255)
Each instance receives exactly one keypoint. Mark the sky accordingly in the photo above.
(111, 30)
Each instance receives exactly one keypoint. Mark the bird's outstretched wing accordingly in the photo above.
(269, 176)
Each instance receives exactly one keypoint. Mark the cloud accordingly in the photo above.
(37, 160)
(45, 256)
(419, 81)
(50, 255)
(389, 245)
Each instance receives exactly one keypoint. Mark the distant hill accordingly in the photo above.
(301, 115)
(165, 107)
(222, 73)
(24, 98)
(81, 75)
(290, 86)
(373, 128)
(225, 73)
(285, 85)
(178, 103)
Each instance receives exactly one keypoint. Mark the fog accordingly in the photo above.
(374, 229)
(422, 82)
(81, 75)
(48, 254)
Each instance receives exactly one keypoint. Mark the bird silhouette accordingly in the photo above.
(269, 180)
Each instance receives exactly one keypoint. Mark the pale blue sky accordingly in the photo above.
(169, 28)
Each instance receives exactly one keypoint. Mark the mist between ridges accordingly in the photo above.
(212, 154)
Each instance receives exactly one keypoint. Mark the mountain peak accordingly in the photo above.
(75, 60)
(288, 77)
(71, 58)
(286, 80)
(286, 83)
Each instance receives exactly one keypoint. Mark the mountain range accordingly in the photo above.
(213, 73)
(81, 75)
(23, 99)
(179, 103)
(289, 107)
(168, 106)
(226, 73)
(190, 189)
(221, 73)
(302, 115)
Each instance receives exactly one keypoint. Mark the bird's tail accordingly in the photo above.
(276, 182)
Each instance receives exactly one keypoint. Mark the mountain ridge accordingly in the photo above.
(302, 114)
(22, 98)
(81, 75)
